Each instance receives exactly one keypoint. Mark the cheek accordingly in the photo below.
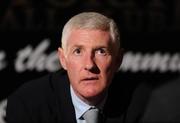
(105, 65)
(73, 71)
(107, 68)
(72, 63)
(73, 68)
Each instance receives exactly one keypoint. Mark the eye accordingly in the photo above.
(101, 51)
(77, 51)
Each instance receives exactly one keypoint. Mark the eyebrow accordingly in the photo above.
(96, 47)
(77, 46)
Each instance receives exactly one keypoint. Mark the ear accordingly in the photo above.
(119, 58)
(62, 58)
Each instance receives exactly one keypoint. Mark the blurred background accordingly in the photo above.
(30, 32)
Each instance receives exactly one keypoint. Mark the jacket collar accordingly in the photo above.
(62, 91)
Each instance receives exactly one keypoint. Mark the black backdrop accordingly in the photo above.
(30, 32)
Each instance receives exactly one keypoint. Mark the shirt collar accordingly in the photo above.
(80, 106)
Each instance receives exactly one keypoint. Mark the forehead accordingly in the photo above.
(88, 37)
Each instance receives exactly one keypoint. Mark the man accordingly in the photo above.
(90, 55)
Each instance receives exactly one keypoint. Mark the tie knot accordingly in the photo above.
(93, 116)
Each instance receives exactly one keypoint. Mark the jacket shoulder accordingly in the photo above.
(39, 89)
(35, 101)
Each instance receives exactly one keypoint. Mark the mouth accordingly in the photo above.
(90, 79)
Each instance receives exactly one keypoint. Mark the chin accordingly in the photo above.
(91, 93)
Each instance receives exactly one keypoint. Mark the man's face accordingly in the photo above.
(90, 61)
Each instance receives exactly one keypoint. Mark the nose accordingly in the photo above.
(89, 62)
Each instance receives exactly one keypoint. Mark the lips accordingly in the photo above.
(90, 78)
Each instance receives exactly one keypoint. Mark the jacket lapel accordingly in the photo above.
(66, 112)
(118, 101)
(138, 103)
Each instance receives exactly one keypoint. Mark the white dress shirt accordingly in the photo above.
(81, 107)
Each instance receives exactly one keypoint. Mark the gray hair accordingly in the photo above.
(91, 20)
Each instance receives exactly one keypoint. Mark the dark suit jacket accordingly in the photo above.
(164, 104)
(48, 100)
